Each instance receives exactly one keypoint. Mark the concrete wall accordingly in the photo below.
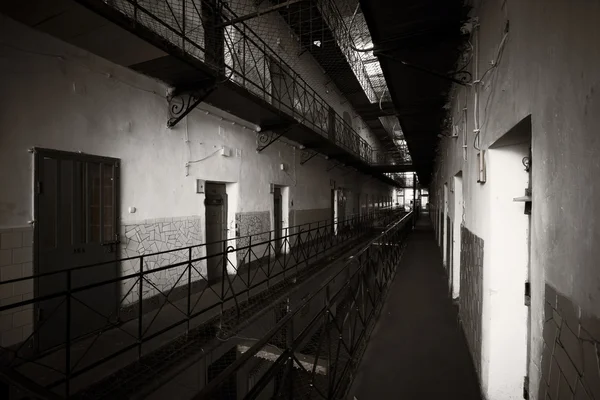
(63, 98)
(548, 71)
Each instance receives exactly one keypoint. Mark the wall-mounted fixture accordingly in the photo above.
(527, 200)
(481, 177)
(226, 151)
(199, 185)
(283, 167)
(132, 210)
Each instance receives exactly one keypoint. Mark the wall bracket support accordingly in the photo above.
(307, 155)
(181, 104)
(337, 164)
(270, 136)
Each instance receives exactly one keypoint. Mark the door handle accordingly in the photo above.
(111, 245)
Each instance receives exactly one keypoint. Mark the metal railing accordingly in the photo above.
(345, 41)
(313, 351)
(212, 284)
(237, 54)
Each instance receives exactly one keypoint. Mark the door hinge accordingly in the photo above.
(38, 187)
(526, 388)
(527, 294)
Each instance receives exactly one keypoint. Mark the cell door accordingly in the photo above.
(282, 88)
(216, 229)
(333, 210)
(341, 207)
(76, 208)
(277, 219)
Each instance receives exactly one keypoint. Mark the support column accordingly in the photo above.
(214, 35)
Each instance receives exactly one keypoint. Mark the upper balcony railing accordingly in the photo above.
(341, 33)
(208, 31)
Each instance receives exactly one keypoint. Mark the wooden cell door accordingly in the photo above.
(76, 212)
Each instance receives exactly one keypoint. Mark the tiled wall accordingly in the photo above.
(571, 351)
(252, 223)
(471, 291)
(156, 235)
(16, 261)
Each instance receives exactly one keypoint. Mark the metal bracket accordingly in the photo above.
(182, 104)
(307, 155)
(268, 137)
(337, 164)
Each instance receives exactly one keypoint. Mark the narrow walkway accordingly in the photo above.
(417, 349)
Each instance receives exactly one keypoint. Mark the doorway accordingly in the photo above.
(281, 88)
(445, 238)
(215, 203)
(506, 264)
(76, 212)
(457, 222)
(278, 219)
(338, 210)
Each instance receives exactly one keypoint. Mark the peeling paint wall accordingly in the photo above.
(548, 70)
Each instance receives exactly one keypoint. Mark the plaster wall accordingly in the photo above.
(547, 70)
(67, 99)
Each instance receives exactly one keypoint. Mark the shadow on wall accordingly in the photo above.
(471, 292)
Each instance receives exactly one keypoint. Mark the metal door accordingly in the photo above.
(76, 208)
(282, 86)
(333, 212)
(277, 219)
(341, 207)
(216, 228)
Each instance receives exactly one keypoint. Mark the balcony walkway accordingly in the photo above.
(417, 349)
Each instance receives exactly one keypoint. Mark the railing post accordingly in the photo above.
(140, 306)
(189, 291)
(269, 244)
(290, 347)
(223, 272)
(308, 238)
(249, 265)
(68, 339)
(183, 25)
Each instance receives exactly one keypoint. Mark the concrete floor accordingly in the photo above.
(417, 349)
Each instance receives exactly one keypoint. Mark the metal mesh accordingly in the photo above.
(265, 51)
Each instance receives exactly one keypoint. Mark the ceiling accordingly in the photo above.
(418, 44)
